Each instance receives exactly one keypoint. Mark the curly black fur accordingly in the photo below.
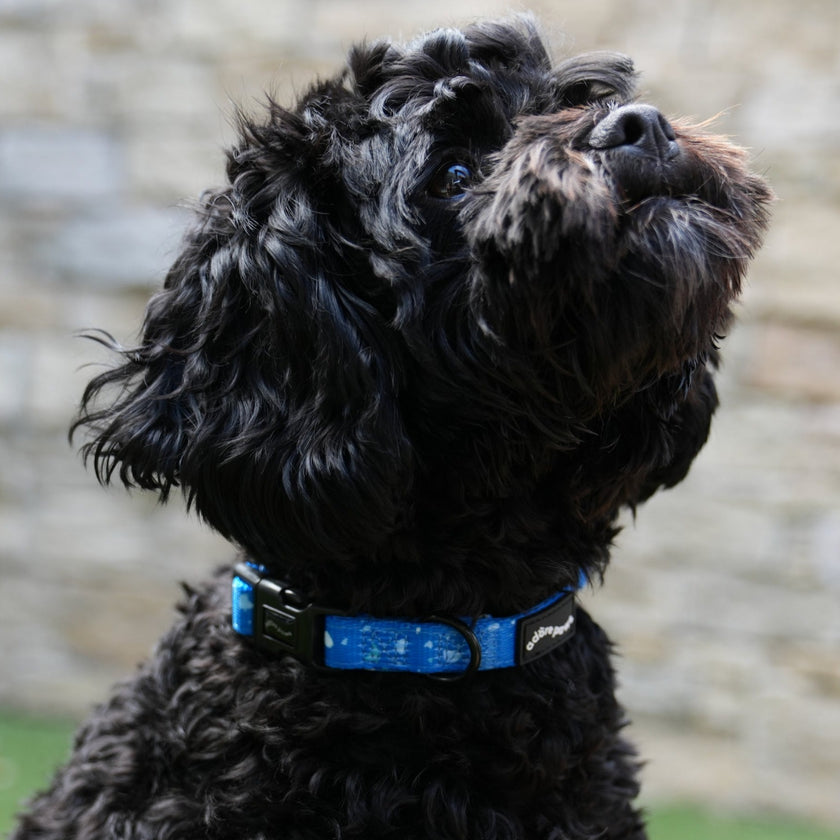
(451, 312)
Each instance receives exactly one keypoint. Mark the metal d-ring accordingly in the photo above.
(472, 642)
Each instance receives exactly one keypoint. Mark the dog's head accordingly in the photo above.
(455, 297)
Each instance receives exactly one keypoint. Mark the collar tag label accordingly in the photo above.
(546, 630)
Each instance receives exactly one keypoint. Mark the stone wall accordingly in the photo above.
(723, 595)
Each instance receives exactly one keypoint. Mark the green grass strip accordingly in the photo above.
(688, 823)
(30, 750)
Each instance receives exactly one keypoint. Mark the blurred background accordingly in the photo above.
(723, 596)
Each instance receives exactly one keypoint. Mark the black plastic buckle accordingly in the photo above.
(284, 621)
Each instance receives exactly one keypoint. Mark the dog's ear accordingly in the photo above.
(264, 383)
(684, 434)
(648, 442)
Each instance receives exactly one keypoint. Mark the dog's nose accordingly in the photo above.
(638, 129)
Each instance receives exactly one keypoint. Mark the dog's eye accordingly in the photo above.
(450, 181)
(586, 92)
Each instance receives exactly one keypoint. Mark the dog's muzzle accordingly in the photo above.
(279, 621)
(640, 150)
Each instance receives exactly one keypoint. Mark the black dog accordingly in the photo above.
(450, 314)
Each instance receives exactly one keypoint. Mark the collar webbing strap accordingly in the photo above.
(280, 621)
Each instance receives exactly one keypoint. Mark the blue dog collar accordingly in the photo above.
(280, 621)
